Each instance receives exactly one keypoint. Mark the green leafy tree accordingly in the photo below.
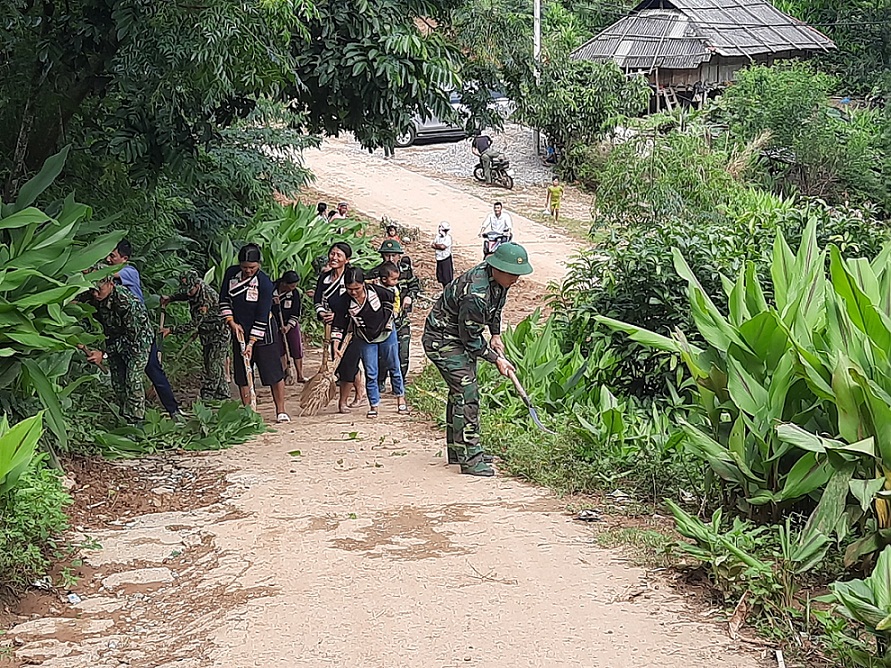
(495, 38)
(575, 101)
(861, 30)
(149, 83)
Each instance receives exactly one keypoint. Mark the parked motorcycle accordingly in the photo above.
(502, 174)
(492, 240)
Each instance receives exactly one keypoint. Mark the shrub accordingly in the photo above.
(653, 178)
(813, 149)
(31, 517)
(291, 238)
(43, 255)
(601, 443)
(630, 276)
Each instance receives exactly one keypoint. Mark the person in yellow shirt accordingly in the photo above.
(555, 194)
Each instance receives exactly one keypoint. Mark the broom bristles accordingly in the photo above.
(318, 393)
(321, 388)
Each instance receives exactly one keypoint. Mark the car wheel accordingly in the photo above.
(407, 138)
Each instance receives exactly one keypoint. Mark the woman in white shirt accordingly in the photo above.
(442, 245)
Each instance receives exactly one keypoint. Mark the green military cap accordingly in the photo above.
(391, 246)
(189, 278)
(511, 259)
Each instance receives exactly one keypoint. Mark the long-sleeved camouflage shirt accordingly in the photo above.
(124, 321)
(204, 307)
(466, 307)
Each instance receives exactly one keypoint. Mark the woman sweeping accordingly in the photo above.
(329, 294)
(246, 305)
(287, 307)
(368, 314)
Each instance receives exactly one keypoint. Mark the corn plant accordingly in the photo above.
(43, 254)
(746, 381)
(292, 240)
(17, 446)
(868, 603)
(774, 375)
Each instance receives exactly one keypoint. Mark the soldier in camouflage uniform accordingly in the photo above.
(204, 307)
(128, 340)
(453, 340)
(409, 288)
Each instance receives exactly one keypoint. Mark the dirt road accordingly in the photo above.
(377, 187)
(341, 541)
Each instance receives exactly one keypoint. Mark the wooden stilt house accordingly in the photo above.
(690, 48)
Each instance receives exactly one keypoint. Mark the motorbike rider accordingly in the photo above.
(483, 147)
(497, 224)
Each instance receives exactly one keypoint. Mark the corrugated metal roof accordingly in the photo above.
(648, 39)
(682, 34)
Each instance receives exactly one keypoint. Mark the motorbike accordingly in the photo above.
(492, 240)
(502, 174)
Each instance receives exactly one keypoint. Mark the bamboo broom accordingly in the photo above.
(321, 388)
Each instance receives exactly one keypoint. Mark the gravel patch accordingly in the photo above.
(456, 159)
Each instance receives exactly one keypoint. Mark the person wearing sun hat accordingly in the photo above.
(442, 247)
(453, 340)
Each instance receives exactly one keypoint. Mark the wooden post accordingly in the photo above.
(657, 90)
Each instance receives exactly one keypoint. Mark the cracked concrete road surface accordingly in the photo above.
(341, 541)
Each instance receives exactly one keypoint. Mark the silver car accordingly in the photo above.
(435, 128)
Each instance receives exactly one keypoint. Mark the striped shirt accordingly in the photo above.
(249, 301)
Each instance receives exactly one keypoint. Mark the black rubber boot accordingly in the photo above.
(453, 455)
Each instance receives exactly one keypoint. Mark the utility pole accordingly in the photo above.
(536, 56)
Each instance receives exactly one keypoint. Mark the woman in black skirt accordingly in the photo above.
(246, 304)
(329, 293)
(287, 307)
(442, 244)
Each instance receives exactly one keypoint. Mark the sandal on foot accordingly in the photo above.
(403, 408)
(282, 418)
(372, 412)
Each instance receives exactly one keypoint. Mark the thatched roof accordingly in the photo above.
(682, 34)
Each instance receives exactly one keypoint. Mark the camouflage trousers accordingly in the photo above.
(127, 368)
(403, 336)
(215, 346)
(463, 407)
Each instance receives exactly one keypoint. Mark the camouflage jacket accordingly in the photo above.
(204, 307)
(124, 321)
(409, 286)
(466, 307)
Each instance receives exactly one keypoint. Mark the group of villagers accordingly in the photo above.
(256, 322)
